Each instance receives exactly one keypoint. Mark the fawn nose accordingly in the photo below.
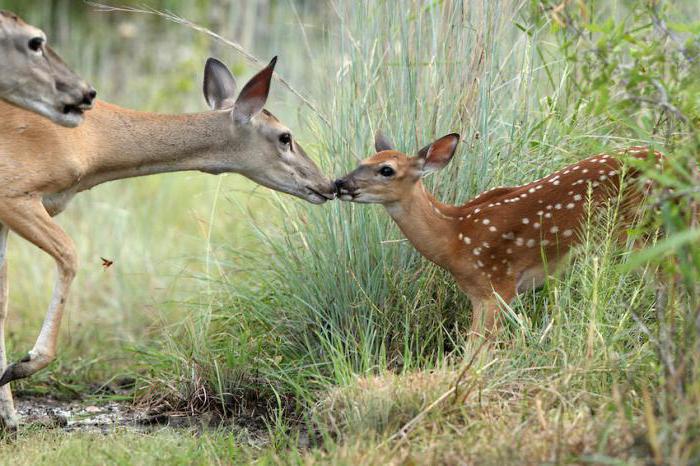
(338, 185)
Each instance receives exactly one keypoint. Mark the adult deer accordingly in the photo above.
(503, 241)
(34, 77)
(43, 166)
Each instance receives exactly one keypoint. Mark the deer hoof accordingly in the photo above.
(19, 370)
(8, 424)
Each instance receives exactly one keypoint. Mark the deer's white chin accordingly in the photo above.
(315, 199)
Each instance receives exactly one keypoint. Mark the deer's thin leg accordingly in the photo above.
(486, 310)
(30, 220)
(8, 416)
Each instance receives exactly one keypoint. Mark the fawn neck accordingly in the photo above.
(426, 224)
(127, 143)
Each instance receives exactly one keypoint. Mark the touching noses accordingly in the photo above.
(339, 183)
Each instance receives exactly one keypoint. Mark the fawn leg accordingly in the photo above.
(29, 219)
(486, 309)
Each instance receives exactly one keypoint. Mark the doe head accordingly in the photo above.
(34, 77)
(389, 175)
(270, 154)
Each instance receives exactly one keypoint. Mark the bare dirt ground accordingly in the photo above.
(81, 416)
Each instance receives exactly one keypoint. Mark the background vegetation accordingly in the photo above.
(322, 322)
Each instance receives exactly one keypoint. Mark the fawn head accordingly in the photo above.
(34, 77)
(269, 153)
(388, 175)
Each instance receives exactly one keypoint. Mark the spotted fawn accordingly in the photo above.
(505, 240)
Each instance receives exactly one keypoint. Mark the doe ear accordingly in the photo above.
(438, 154)
(219, 85)
(254, 94)
(381, 142)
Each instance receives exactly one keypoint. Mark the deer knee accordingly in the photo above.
(67, 261)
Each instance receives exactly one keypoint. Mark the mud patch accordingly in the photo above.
(81, 416)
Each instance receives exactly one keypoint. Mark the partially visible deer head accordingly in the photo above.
(34, 77)
(259, 145)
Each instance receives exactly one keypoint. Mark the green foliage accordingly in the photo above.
(640, 68)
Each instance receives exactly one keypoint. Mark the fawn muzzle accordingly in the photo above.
(344, 190)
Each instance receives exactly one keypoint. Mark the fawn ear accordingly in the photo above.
(254, 94)
(219, 85)
(381, 142)
(438, 154)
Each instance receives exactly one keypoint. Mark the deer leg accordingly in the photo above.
(8, 415)
(30, 220)
(484, 316)
(486, 309)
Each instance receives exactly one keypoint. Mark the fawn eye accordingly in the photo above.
(386, 171)
(285, 138)
(35, 44)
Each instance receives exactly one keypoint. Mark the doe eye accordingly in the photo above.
(386, 171)
(285, 138)
(35, 44)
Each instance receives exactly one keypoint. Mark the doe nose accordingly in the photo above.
(338, 185)
(89, 96)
